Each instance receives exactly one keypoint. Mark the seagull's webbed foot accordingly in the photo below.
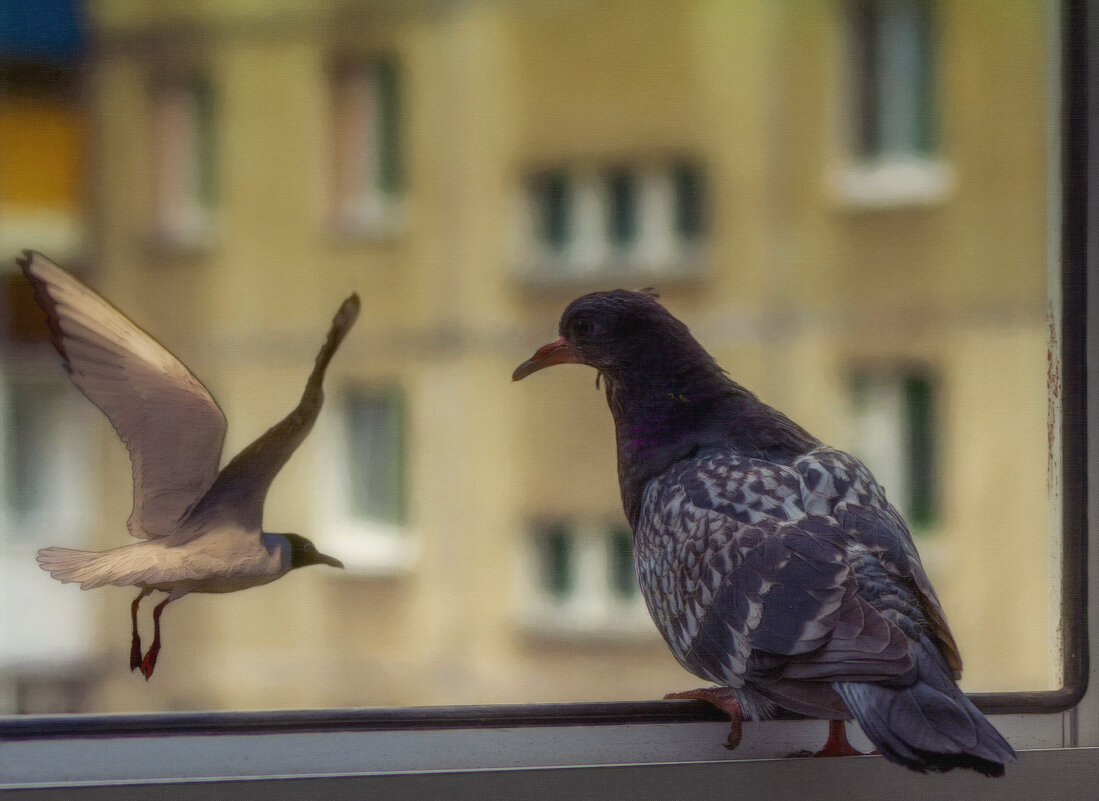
(148, 664)
(725, 700)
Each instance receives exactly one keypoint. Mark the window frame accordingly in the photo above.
(645, 749)
(378, 208)
(184, 217)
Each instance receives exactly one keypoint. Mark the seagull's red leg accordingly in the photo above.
(837, 744)
(725, 700)
(149, 662)
(135, 645)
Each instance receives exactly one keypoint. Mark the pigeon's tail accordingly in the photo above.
(928, 725)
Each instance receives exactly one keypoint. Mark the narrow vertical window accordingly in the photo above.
(31, 417)
(895, 433)
(555, 559)
(891, 83)
(374, 435)
(368, 169)
(185, 166)
(623, 581)
(552, 198)
(622, 191)
(688, 182)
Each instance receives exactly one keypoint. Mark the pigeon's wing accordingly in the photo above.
(749, 589)
(859, 504)
(241, 488)
(170, 424)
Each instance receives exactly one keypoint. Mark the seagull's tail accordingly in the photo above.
(929, 724)
(90, 568)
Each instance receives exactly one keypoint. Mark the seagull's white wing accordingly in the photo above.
(170, 424)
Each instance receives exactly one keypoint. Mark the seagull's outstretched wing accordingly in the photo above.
(170, 424)
(241, 487)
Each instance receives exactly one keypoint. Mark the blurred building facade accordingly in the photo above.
(44, 144)
(845, 200)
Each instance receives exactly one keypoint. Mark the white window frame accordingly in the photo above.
(593, 610)
(183, 216)
(658, 250)
(361, 203)
(896, 177)
(636, 751)
(366, 547)
(62, 646)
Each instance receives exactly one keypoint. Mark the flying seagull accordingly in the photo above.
(200, 530)
(772, 564)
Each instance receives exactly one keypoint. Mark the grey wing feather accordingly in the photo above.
(241, 488)
(784, 609)
(167, 419)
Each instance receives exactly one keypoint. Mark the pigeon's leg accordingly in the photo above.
(135, 645)
(725, 700)
(837, 744)
(149, 662)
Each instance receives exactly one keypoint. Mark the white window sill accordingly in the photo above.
(620, 623)
(892, 183)
(549, 272)
(378, 220)
(369, 550)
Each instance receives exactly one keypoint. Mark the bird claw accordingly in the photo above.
(135, 654)
(148, 664)
(725, 700)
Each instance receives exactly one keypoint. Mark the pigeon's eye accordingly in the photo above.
(582, 327)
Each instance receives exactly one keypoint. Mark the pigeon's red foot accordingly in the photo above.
(837, 744)
(725, 700)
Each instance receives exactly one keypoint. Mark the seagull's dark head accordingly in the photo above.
(619, 333)
(304, 553)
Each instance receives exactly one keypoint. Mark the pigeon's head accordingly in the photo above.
(304, 553)
(617, 332)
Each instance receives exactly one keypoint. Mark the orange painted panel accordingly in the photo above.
(42, 155)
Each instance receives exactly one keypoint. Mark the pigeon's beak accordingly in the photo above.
(325, 559)
(559, 351)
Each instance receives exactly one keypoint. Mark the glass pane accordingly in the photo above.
(907, 326)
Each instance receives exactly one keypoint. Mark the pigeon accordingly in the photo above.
(772, 564)
(200, 530)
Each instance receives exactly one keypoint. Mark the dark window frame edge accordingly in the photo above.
(1077, 128)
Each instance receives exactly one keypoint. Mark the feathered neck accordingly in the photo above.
(666, 411)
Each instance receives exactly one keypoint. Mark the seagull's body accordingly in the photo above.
(199, 529)
(772, 564)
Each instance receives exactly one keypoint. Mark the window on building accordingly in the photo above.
(46, 660)
(892, 84)
(895, 434)
(893, 106)
(624, 220)
(362, 505)
(581, 580)
(185, 159)
(367, 169)
(374, 431)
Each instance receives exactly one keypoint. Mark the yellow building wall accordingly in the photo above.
(800, 288)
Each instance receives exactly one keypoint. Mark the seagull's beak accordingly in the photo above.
(560, 351)
(325, 559)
